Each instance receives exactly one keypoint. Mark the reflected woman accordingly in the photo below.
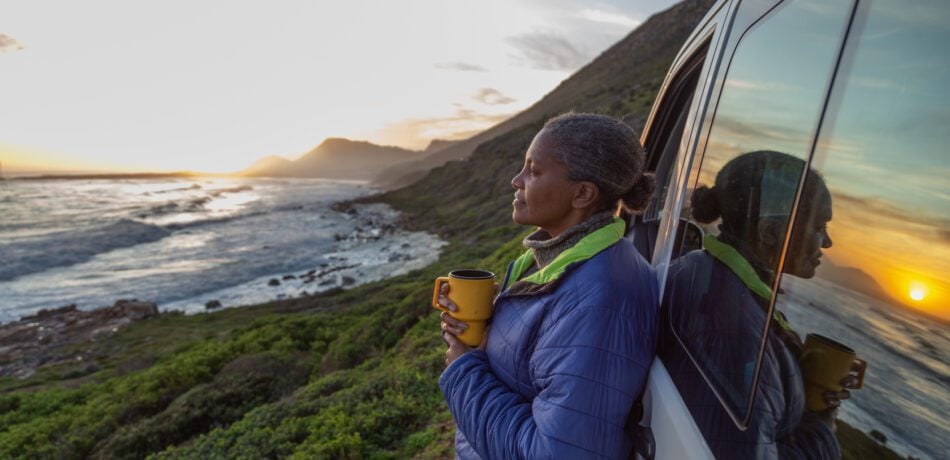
(574, 328)
(718, 304)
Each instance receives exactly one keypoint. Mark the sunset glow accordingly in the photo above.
(214, 86)
(917, 294)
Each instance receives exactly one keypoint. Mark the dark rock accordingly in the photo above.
(47, 313)
(878, 436)
(348, 280)
(211, 305)
(134, 309)
(273, 282)
(289, 277)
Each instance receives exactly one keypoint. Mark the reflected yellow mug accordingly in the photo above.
(472, 292)
(825, 362)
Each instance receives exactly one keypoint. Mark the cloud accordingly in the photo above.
(8, 43)
(609, 18)
(492, 96)
(548, 51)
(460, 66)
(464, 123)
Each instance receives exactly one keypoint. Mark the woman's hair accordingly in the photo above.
(753, 186)
(606, 152)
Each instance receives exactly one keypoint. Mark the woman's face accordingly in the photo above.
(809, 237)
(543, 193)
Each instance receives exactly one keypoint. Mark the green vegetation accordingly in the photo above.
(351, 374)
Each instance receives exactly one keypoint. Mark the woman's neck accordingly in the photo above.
(546, 248)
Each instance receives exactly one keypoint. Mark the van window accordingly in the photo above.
(663, 147)
(882, 282)
(718, 297)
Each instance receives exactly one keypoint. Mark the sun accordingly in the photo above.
(917, 294)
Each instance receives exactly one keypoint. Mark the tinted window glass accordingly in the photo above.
(883, 284)
(718, 297)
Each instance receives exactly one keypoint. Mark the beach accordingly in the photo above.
(193, 244)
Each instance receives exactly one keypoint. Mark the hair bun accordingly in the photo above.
(705, 205)
(637, 198)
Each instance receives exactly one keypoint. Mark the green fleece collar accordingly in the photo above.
(586, 248)
(741, 267)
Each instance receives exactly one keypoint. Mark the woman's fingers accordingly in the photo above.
(444, 300)
(450, 324)
(850, 381)
(834, 398)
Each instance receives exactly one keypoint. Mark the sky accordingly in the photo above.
(215, 85)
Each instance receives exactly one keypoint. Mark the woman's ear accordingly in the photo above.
(586, 194)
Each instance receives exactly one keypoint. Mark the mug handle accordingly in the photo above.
(862, 366)
(435, 293)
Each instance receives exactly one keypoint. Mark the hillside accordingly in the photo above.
(621, 82)
(350, 374)
(335, 158)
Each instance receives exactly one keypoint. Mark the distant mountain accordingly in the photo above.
(853, 278)
(439, 144)
(621, 82)
(335, 158)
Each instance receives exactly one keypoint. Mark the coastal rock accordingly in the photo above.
(46, 338)
(348, 281)
(213, 304)
(273, 282)
(878, 436)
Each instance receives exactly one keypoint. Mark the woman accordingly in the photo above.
(718, 299)
(574, 328)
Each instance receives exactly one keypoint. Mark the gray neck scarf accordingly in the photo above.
(545, 249)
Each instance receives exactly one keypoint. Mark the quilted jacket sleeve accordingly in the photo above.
(588, 368)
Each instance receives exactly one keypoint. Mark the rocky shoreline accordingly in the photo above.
(375, 248)
(49, 337)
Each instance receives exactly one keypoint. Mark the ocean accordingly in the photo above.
(906, 392)
(185, 242)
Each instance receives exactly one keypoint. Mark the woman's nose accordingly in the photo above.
(516, 181)
(825, 240)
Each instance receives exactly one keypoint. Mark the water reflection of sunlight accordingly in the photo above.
(228, 203)
(177, 266)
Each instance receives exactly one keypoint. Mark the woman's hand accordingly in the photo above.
(452, 327)
(833, 400)
(449, 324)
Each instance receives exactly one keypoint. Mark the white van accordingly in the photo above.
(820, 131)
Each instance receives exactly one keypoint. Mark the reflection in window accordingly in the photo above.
(883, 288)
(718, 297)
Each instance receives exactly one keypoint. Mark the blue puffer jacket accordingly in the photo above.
(568, 354)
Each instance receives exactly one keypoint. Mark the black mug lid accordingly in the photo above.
(472, 274)
(831, 342)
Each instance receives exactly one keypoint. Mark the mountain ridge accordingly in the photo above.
(334, 158)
